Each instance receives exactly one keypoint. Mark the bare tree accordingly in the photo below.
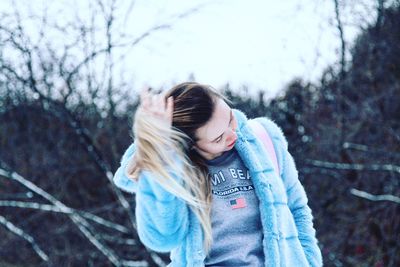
(73, 79)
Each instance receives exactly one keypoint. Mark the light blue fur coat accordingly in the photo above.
(166, 224)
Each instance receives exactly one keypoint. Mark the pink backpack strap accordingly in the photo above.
(261, 133)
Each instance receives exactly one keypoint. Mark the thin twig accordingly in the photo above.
(46, 207)
(129, 263)
(371, 197)
(18, 231)
(354, 166)
(79, 221)
(342, 40)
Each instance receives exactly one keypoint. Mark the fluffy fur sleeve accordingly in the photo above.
(161, 217)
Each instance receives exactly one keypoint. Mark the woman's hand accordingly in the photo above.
(157, 106)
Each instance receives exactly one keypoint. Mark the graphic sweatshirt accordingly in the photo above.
(235, 215)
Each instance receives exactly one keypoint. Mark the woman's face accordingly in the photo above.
(218, 134)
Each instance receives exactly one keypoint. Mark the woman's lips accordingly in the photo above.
(231, 144)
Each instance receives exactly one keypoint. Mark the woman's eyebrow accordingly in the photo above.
(228, 126)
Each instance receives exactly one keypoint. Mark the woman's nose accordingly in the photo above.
(232, 135)
(234, 125)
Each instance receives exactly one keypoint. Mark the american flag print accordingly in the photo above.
(238, 203)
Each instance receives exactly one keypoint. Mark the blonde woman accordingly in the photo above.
(205, 187)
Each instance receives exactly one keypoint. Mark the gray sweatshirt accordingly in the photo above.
(235, 216)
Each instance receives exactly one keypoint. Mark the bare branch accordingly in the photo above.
(80, 222)
(135, 263)
(162, 26)
(18, 231)
(342, 40)
(371, 197)
(104, 222)
(360, 147)
(29, 205)
(118, 240)
(365, 148)
(46, 207)
(358, 167)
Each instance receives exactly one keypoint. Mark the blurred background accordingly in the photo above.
(326, 71)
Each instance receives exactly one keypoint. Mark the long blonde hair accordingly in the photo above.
(194, 105)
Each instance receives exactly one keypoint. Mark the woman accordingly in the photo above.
(205, 188)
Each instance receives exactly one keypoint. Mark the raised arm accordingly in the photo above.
(161, 216)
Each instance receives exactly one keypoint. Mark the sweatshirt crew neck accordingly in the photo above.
(221, 159)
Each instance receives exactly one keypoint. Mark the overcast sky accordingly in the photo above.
(263, 44)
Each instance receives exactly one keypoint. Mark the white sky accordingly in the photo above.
(263, 44)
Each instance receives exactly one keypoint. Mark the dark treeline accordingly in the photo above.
(58, 207)
(345, 135)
